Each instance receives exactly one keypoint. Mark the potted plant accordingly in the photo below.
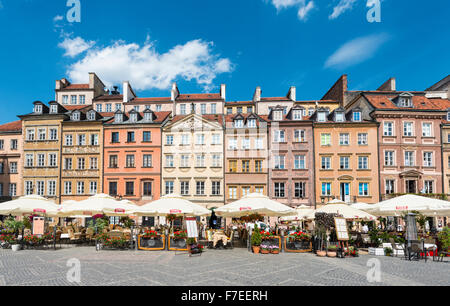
(193, 246)
(256, 239)
(324, 222)
(388, 251)
(265, 248)
(275, 249)
(15, 246)
(332, 251)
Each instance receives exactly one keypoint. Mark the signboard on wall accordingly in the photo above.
(341, 229)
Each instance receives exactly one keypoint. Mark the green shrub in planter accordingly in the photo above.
(444, 238)
(256, 236)
(388, 251)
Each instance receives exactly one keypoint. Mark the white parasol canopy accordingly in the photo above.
(255, 203)
(28, 205)
(171, 204)
(98, 204)
(301, 213)
(362, 206)
(407, 203)
(343, 209)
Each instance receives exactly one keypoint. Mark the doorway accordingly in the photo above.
(411, 186)
(345, 192)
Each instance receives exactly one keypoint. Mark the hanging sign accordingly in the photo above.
(119, 210)
(245, 208)
(175, 211)
(38, 210)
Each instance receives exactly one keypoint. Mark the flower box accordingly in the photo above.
(178, 244)
(297, 246)
(146, 243)
(376, 251)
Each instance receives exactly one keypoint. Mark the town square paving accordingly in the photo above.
(235, 267)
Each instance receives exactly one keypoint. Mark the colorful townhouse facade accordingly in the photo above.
(82, 154)
(132, 155)
(11, 162)
(246, 155)
(193, 158)
(291, 157)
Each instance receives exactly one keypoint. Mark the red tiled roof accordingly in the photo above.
(160, 116)
(15, 126)
(419, 102)
(75, 107)
(76, 86)
(193, 97)
(152, 100)
(109, 97)
(239, 103)
(217, 118)
(276, 99)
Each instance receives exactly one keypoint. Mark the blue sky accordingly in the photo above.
(202, 43)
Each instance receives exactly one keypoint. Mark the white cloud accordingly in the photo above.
(356, 51)
(304, 7)
(148, 69)
(342, 7)
(75, 46)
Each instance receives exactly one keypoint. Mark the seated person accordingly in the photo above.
(220, 235)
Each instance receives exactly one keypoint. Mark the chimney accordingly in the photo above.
(91, 80)
(389, 85)
(174, 92)
(292, 93)
(257, 94)
(128, 93)
(223, 89)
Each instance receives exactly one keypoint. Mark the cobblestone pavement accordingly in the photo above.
(215, 267)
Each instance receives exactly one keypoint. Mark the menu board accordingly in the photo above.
(38, 226)
(341, 229)
(191, 227)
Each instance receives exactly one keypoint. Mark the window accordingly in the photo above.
(216, 160)
(299, 162)
(65, 99)
(428, 159)
(133, 117)
(259, 189)
(299, 136)
(2, 168)
(147, 161)
(428, 187)
(344, 162)
(326, 189)
(158, 107)
(147, 189)
(363, 189)
(93, 187)
(259, 144)
(73, 99)
(200, 160)
(407, 129)
(356, 116)
(118, 118)
(239, 123)
(325, 139)
(42, 134)
(321, 117)
(183, 109)
(245, 190)
(232, 192)
(339, 117)
(41, 160)
(362, 139)
(389, 158)
(200, 139)
(30, 134)
(388, 129)
(300, 190)
(297, 114)
(184, 188)
(93, 162)
(129, 188)
(277, 115)
(245, 166)
(326, 163)
(130, 161)
(409, 158)
(51, 188)
(169, 140)
(203, 109)
(40, 188)
(148, 116)
(213, 108)
(113, 188)
(405, 102)
(118, 106)
(344, 139)
(14, 144)
(108, 107)
(229, 110)
(232, 166)
(115, 137)
(279, 162)
(82, 99)
(12, 189)
(363, 162)
(81, 163)
(28, 188)
(130, 136)
(53, 134)
(278, 136)
(426, 129)
(113, 163)
(29, 160)
(249, 109)
(232, 144)
(216, 139)
(258, 166)
(80, 187)
(169, 161)
(215, 188)
(279, 190)
(94, 140)
(147, 136)
(38, 108)
(389, 188)
(246, 144)
(184, 161)
(200, 188)
(13, 167)
(67, 163)
(67, 188)
(99, 108)
(75, 116)
(251, 123)
(239, 110)
(52, 160)
(81, 139)
(136, 108)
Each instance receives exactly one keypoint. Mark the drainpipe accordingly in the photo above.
(314, 165)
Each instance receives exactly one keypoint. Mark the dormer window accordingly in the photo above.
(239, 123)
(405, 102)
(278, 115)
(38, 108)
(357, 116)
(339, 117)
(297, 114)
(91, 116)
(133, 117)
(251, 123)
(53, 109)
(148, 116)
(322, 116)
(75, 116)
(118, 118)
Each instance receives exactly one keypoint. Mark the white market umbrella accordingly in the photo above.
(344, 210)
(171, 204)
(301, 214)
(28, 205)
(252, 204)
(407, 203)
(98, 204)
(362, 206)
